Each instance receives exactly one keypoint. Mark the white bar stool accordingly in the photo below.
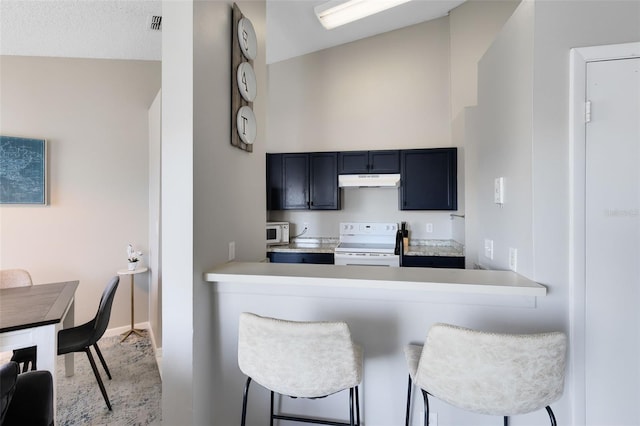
(301, 360)
(488, 373)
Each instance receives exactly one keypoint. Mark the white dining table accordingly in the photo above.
(32, 316)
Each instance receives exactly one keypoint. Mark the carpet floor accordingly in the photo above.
(134, 391)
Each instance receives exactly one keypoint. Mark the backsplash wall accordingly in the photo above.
(368, 205)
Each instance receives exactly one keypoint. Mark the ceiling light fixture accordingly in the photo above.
(339, 12)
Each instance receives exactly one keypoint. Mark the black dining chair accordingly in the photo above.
(25, 399)
(82, 337)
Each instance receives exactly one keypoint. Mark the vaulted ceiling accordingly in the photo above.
(120, 29)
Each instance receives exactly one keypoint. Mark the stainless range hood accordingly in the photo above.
(369, 181)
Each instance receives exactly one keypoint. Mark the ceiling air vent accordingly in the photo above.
(155, 23)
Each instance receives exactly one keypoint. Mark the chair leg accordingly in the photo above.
(357, 406)
(351, 417)
(551, 416)
(245, 396)
(27, 357)
(271, 415)
(426, 407)
(104, 364)
(87, 350)
(406, 420)
(506, 420)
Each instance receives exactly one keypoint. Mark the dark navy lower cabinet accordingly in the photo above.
(454, 262)
(297, 257)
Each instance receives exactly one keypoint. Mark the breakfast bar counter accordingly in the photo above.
(386, 309)
(473, 281)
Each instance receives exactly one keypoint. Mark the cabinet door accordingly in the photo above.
(274, 182)
(324, 181)
(294, 257)
(295, 178)
(429, 179)
(384, 161)
(433, 262)
(353, 162)
(358, 162)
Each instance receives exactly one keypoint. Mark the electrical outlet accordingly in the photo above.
(232, 250)
(488, 248)
(498, 191)
(513, 259)
(429, 228)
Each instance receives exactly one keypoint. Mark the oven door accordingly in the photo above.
(367, 259)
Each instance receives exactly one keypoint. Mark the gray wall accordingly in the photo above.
(153, 259)
(213, 193)
(522, 132)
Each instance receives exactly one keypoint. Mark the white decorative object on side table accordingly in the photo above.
(133, 257)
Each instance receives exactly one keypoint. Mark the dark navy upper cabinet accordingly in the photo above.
(295, 178)
(302, 181)
(323, 181)
(429, 179)
(275, 188)
(357, 162)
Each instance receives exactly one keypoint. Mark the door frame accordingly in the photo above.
(579, 57)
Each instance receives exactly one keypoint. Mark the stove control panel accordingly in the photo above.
(368, 228)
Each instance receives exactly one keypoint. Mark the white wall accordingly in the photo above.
(177, 213)
(153, 258)
(522, 132)
(473, 26)
(504, 139)
(385, 92)
(368, 205)
(556, 31)
(213, 193)
(93, 114)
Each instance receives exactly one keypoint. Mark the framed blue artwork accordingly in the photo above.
(23, 170)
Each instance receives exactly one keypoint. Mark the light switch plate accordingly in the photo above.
(232, 250)
(488, 248)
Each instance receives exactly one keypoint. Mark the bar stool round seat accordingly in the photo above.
(300, 360)
(488, 373)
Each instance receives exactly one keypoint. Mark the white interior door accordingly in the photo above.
(612, 323)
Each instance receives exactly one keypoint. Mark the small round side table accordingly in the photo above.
(131, 274)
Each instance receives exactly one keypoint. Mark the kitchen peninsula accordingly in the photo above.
(386, 308)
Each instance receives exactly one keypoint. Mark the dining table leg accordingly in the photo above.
(68, 322)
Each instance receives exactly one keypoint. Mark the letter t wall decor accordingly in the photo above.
(243, 82)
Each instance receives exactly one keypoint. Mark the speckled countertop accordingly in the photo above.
(416, 247)
(435, 248)
(307, 245)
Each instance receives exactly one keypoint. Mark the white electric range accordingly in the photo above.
(371, 244)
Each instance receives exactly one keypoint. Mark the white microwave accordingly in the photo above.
(277, 233)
